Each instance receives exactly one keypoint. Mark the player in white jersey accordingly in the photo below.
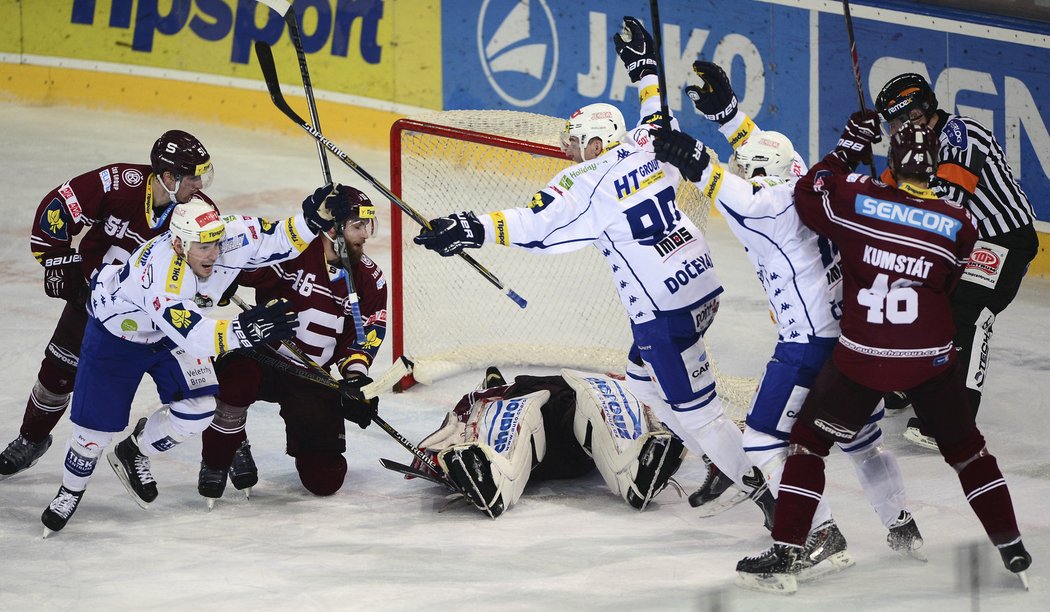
(148, 316)
(621, 200)
(800, 272)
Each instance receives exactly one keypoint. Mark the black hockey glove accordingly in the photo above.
(635, 47)
(328, 203)
(275, 321)
(854, 145)
(682, 151)
(450, 235)
(63, 277)
(352, 402)
(715, 99)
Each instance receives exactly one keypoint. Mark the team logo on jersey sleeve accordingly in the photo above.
(181, 319)
(541, 199)
(267, 226)
(132, 177)
(955, 132)
(52, 223)
(107, 180)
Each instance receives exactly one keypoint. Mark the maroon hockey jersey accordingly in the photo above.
(902, 252)
(114, 203)
(318, 292)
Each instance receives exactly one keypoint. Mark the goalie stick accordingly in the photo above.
(265, 55)
(284, 9)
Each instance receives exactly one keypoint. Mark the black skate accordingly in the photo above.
(1017, 560)
(715, 485)
(132, 468)
(493, 378)
(60, 510)
(21, 454)
(211, 483)
(773, 570)
(895, 401)
(659, 459)
(243, 473)
(825, 553)
(904, 537)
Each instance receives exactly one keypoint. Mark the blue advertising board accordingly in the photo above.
(788, 60)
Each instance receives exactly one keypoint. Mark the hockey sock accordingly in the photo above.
(988, 495)
(880, 477)
(44, 410)
(801, 489)
(84, 448)
(217, 448)
(174, 425)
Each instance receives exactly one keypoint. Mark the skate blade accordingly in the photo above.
(912, 435)
(48, 532)
(783, 584)
(247, 493)
(122, 476)
(211, 502)
(915, 553)
(729, 498)
(1024, 579)
(835, 563)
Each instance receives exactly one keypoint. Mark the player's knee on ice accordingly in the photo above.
(322, 473)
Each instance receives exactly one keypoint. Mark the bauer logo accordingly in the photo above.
(518, 47)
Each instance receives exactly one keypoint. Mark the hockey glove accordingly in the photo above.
(854, 145)
(275, 321)
(327, 204)
(63, 277)
(635, 47)
(450, 235)
(353, 404)
(682, 151)
(715, 98)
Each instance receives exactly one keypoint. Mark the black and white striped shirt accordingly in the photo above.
(974, 173)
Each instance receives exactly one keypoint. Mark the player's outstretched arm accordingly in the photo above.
(449, 235)
(715, 98)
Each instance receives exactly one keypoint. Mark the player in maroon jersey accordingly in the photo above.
(120, 206)
(316, 286)
(902, 254)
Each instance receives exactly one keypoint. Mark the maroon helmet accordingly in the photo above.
(181, 154)
(913, 152)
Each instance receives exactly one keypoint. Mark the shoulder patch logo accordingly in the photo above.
(955, 133)
(181, 319)
(52, 223)
(132, 177)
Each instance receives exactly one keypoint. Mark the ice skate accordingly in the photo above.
(1017, 560)
(60, 510)
(132, 468)
(914, 435)
(774, 570)
(243, 473)
(717, 494)
(894, 402)
(904, 537)
(825, 553)
(211, 483)
(21, 454)
(493, 378)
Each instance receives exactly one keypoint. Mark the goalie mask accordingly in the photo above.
(600, 120)
(764, 154)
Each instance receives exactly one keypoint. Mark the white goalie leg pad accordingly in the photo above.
(505, 440)
(635, 454)
(173, 425)
(879, 473)
(84, 448)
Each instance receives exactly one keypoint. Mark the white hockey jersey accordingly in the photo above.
(798, 269)
(624, 204)
(155, 295)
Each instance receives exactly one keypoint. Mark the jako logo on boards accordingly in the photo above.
(518, 48)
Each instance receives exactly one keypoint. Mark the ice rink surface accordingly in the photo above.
(383, 543)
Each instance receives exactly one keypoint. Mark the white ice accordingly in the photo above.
(381, 543)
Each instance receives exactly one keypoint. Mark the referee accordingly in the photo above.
(973, 172)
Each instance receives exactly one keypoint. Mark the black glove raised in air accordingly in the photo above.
(715, 99)
(353, 404)
(854, 146)
(273, 322)
(635, 47)
(328, 203)
(449, 235)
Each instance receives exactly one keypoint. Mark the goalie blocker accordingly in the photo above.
(496, 440)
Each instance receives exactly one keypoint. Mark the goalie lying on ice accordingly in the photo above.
(502, 436)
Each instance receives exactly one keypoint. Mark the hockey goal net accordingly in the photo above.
(445, 315)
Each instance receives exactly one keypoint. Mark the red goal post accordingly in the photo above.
(447, 318)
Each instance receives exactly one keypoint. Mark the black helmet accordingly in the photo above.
(181, 154)
(903, 93)
(913, 152)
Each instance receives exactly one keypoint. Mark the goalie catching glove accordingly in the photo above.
(449, 235)
(636, 50)
(715, 99)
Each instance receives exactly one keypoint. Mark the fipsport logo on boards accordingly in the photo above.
(518, 48)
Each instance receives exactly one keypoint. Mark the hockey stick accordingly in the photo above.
(284, 9)
(856, 70)
(661, 80)
(265, 56)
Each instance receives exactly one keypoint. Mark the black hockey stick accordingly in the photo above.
(856, 70)
(265, 56)
(284, 9)
(661, 80)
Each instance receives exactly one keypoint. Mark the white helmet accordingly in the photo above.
(196, 221)
(598, 120)
(770, 152)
